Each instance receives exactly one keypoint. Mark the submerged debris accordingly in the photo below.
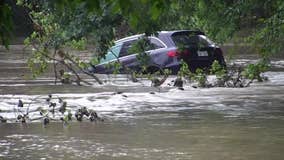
(65, 77)
(85, 111)
(20, 103)
(46, 121)
(51, 108)
(66, 118)
(49, 98)
(178, 82)
(22, 118)
(3, 120)
(194, 86)
(156, 82)
(62, 108)
(79, 115)
(94, 116)
(89, 114)
(69, 116)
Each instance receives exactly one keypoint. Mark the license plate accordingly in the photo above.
(202, 53)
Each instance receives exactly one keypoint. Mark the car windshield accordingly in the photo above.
(189, 40)
(112, 54)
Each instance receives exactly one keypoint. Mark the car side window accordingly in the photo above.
(149, 44)
(156, 44)
(112, 54)
(125, 48)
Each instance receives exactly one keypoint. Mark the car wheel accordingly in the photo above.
(153, 69)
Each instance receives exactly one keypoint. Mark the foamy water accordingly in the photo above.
(126, 104)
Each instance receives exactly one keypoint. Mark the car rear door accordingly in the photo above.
(127, 55)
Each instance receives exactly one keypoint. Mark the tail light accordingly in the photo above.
(172, 54)
(175, 53)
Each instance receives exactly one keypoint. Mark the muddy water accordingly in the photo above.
(197, 124)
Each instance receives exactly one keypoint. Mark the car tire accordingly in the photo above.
(152, 69)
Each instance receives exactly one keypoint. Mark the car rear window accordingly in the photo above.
(191, 40)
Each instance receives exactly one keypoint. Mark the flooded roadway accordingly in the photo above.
(197, 124)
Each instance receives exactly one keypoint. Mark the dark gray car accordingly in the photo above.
(166, 51)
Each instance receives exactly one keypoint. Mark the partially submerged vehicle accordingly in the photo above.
(166, 51)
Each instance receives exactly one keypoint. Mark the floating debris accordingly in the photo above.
(94, 116)
(20, 103)
(49, 98)
(79, 115)
(62, 108)
(90, 114)
(22, 118)
(178, 83)
(85, 111)
(69, 116)
(3, 120)
(46, 121)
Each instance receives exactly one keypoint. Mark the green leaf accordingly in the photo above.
(133, 20)
(155, 12)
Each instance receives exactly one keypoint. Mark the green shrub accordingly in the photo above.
(253, 71)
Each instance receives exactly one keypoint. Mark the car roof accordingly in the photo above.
(170, 33)
(129, 38)
(161, 33)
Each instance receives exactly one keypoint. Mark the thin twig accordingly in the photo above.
(54, 67)
(87, 73)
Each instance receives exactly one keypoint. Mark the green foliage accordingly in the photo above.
(37, 63)
(218, 70)
(66, 75)
(200, 77)
(67, 117)
(114, 66)
(270, 38)
(56, 31)
(6, 24)
(94, 61)
(167, 72)
(78, 44)
(253, 71)
(139, 47)
(184, 70)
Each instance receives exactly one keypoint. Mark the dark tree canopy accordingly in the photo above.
(218, 18)
(6, 24)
